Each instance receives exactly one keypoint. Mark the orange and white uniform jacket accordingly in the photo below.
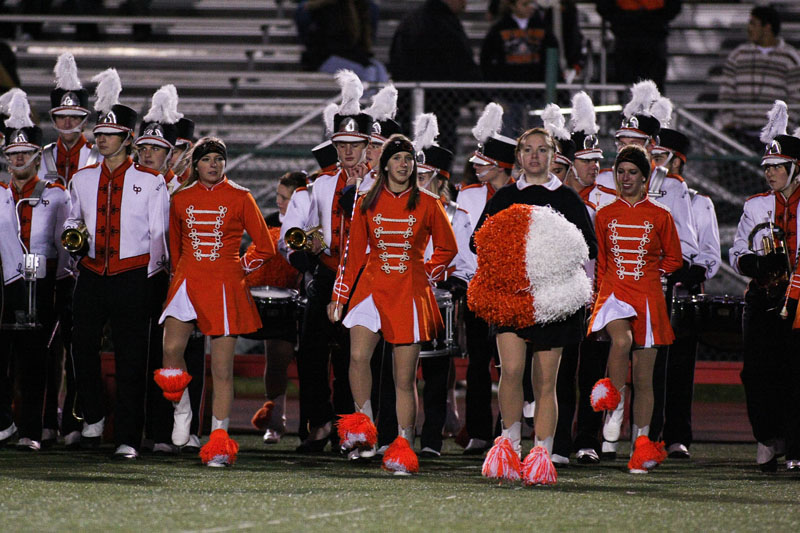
(395, 274)
(205, 233)
(636, 243)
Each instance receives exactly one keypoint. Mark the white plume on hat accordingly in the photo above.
(777, 119)
(662, 111)
(384, 103)
(352, 89)
(108, 88)
(584, 118)
(5, 99)
(426, 129)
(554, 122)
(327, 116)
(490, 122)
(66, 72)
(164, 106)
(643, 94)
(19, 111)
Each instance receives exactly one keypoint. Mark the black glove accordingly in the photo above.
(771, 263)
(347, 199)
(303, 261)
(748, 265)
(679, 275)
(791, 308)
(694, 277)
(456, 286)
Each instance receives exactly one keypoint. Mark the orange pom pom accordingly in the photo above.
(502, 462)
(538, 469)
(400, 458)
(260, 420)
(172, 381)
(646, 454)
(500, 291)
(219, 446)
(605, 396)
(356, 430)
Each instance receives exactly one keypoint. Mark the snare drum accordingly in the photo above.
(277, 308)
(443, 345)
(717, 320)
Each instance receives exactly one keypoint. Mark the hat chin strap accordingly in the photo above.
(121, 146)
(76, 129)
(20, 168)
(792, 177)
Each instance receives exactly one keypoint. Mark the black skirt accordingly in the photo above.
(571, 330)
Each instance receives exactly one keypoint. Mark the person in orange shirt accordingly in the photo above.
(637, 241)
(393, 296)
(208, 215)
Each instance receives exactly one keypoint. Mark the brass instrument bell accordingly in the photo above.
(299, 239)
(76, 240)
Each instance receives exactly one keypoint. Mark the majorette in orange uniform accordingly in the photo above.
(205, 232)
(395, 280)
(635, 244)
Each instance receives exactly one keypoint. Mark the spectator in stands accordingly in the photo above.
(434, 26)
(337, 34)
(640, 29)
(762, 70)
(8, 68)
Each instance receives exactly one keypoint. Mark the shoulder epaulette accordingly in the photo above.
(767, 193)
(605, 189)
(147, 170)
(471, 186)
(659, 204)
(303, 188)
(677, 177)
(3, 184)
(55, 185)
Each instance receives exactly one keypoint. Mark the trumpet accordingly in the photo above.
(76, 240)
(299, 239)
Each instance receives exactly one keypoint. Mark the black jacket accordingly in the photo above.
(641, 23)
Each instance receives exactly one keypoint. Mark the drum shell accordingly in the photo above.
(443, 344)
(278, 312)
(715, 320)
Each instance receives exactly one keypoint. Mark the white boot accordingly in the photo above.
(514, 435)
(182, 420)
(216, 423)
(612, 427)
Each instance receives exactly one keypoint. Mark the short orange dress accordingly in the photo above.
(395, 277)
(208, 275)
(636, 243)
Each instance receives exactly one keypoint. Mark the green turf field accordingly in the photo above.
(273, 489)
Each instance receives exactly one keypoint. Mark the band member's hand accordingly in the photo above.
(357, 172)
(317, 245)
(334, 312)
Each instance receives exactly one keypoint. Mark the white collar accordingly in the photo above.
(521, 22)
(552, 184)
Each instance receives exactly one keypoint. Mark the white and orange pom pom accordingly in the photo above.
(538, 469)
(502, 461)
(605, 396)
(399, 458)
(172, 381)
(356, 430)
(646, 455)
(220, 448)
(261, 418)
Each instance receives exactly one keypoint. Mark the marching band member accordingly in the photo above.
(643, 117)
(630, 305)
(537, 187)
(180, 162)
(382, 111)
(393, 296)
(208, 216)
(279, 351)
(671, 154)
(69, 111)
(433, 173)
(578, 157)
(492, 161)
(158, 135)
(32, 215)
(124, 209)
(331, 199)
(765, 249)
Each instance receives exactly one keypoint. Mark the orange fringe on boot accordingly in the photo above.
(172, 381)
(219, 446)
(502, 462)
(605, 396)
(646, 455)
(399, 458)
(538, 469)
(260, 420)
(356, 430)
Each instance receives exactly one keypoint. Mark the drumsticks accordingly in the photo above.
(343, 262)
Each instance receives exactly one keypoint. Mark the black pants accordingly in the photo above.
(771, 372)
(159, 410)
(59, 356)
(640, 57)
(482, 350)
(322, 345)
(680, 391)
(23, 353)
(435, 372)
(659, 393)
(124, 300)
(384, 406)
(565, 396)
(591, 368)
(195, 357)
